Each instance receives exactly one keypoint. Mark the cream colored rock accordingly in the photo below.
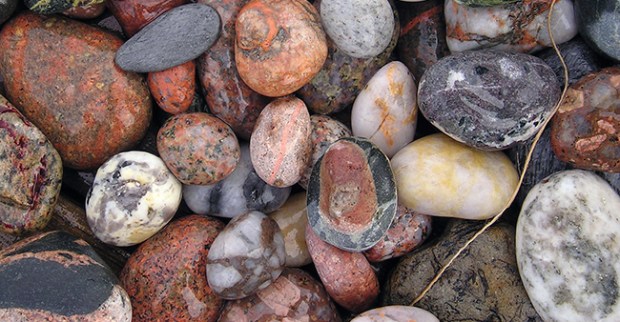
(439, 176)
(396, 313)
(292, 219)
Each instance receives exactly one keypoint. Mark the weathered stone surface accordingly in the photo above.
(567, 247)
(133, 15)
(483, 284)
(174, 88)
(599, 24)
(177, 36)
(488, 99)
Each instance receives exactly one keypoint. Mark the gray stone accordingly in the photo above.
(483, 284)
(580, 60)
(599, 24)
(7, 7)
(175, 37)
(487, 99)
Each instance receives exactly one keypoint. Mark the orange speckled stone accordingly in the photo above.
(348, 277)
(280, 45)
(133, 15)
(280, 144)
(198, 148)
(165, 277)
(174, 88)
(61, 75)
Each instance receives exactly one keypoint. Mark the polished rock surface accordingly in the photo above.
(599, 24)
(292, 218)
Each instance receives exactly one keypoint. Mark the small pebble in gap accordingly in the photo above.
(177, 36)
(386, 110)
(240, 192)
(280, 144)
(599, 24)
(247, 256)
(174, 88)
(292, 218)
(567, 248)
(133, 15)
(396, 313)
(352, 195)
(438, 176)
(198, 148)
(133, 196)
(360, 28)
(490, 100)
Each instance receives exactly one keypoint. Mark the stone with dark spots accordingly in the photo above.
(580, 60)
(483, 284)
(54, 276)
(177, 36)
(567, 247)
(586, 128)
(30, 173)
(61, 75)
(352, 195)
(7, 7)
(489, 100)
(133, 15)
(177, 258)
(174, 88)
(599, 25)
(242, 191)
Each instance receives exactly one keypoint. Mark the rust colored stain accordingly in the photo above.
(133, 15)
(174, 88)
(424, 16)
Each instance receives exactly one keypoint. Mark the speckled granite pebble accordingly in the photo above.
(487, 99)
(133, 196)
(247, 256)
(599, 24)
(396, 313)
(292, 218)
(567, 248)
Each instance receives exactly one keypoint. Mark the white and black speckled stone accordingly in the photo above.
(360, 28)
(487, 99)
(133, 196)
(599, 23)
(568, 248)
(241, 192)
(177, 36)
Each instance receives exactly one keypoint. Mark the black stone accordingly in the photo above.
(7, 7)
(175, 37)
(48, 6)
(599, 24)
(580, 60)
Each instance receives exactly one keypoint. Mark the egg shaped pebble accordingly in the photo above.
(439, 176)
(247, 256)
(132, 197)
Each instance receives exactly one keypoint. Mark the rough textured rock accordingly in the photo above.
(599, 24)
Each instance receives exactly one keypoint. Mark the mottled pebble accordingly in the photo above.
(174, 88)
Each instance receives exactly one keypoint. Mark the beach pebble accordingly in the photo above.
(599, 24)
(174, 88)
(7, 7)
(292, 218)
(396, 313)
(133, 15)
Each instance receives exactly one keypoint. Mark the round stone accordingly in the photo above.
(132, 197)
(352, 195)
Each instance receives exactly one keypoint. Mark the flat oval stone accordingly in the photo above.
(61, 75)
(352, 195)
(294, 296)
(165, 277)
(292, 218)
(198, 148)
(280, 144)
(133, 15)
(54, 276)
(280, 45)
(7, 7)
(227, 96)
(599, 24)
(567, 248)
(30, 173)
(362, 29)
(489, 100)
(247, 256)
(174, 88)
(132, 197)
(325, 131)
(396, 313)
(348, 277)
(177, 36)
(586, 127)
(386, 111)
(457, 181)
(240, 192)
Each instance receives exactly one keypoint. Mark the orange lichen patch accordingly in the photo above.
(395, 87)
(174, 88)
(574, 100)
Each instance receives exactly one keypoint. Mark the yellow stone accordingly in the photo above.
(439, 176)
(292, 218)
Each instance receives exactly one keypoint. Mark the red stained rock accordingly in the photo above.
(133, 15)
(227, 96)
(174, 88)
(348, 277)
(61, 75)
(165, 277)
(585, 130)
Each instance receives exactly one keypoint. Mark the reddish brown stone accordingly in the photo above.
(198, 148)
(348, 277)
(227, 96)
(280, 45)
(165, 277)
(174, 88)
(280, 145)
(86, 11)
(61, 75)
(135, 14)
(585, 130)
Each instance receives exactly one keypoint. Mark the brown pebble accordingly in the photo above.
(174, 88)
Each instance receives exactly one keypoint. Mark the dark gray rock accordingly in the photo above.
(7, 7)
(175, 37)
(487, 99)
(599, 24)
(580, 60)
(483, 284)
